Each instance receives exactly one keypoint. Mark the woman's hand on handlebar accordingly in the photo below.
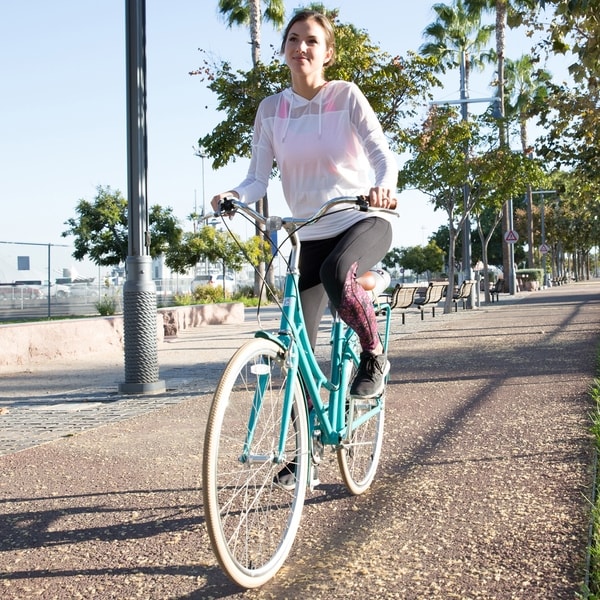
(216, 200)
(380, 197)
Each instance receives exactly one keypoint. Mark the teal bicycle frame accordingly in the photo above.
(274, 399)
(329, 418)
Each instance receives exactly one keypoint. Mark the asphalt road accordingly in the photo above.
(482, 490)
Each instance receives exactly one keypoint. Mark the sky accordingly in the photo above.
(63, 108)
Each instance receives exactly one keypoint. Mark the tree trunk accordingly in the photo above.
(254, 7)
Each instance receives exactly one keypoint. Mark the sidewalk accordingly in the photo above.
(64, 398)
(481, 492)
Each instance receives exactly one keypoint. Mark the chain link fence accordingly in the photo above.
(43, 281)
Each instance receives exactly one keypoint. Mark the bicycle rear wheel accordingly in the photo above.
(358, 455)
(251, 519)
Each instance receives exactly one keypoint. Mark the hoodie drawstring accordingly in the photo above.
(282, 113)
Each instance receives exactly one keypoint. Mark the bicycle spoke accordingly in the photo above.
(251, 519)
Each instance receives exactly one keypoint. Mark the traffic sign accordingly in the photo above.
(511, 236)
(544, 249)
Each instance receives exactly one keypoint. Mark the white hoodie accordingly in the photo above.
(330, 146)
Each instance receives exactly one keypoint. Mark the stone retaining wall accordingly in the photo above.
(24, 345)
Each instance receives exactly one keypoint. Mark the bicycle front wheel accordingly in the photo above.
(252, 519)
(358, 454)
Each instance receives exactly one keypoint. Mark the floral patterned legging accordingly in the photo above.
(328, 271)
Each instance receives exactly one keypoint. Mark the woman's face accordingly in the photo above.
(306, 50)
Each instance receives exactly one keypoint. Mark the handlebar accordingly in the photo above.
(229, 206)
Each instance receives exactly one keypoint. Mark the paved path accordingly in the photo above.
(481, 492)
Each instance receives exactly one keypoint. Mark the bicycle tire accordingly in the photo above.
(358, 454)
(251, 519)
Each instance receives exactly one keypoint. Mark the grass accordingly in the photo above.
(591, 588)
(593, 591)
(42, 319)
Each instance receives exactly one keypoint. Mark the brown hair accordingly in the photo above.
(322, 20)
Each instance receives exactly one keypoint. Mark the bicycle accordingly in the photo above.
(261, 421)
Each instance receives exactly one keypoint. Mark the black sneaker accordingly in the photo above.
(286, 478)
(370, 378)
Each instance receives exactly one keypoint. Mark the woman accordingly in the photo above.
(327, 142)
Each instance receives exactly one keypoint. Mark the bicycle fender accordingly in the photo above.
(269, 336)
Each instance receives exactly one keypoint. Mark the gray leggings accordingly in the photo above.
(327, 271)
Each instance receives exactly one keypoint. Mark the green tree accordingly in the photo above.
(413, 259)
(247, 13)
(209, 244)
(439, 167)
(392, 261)
(458, 38)
(434, 257)
(101, 230)
(526, 88)
(514, 81)
(395, 86)
(570, 115)
(573, 28)
(497, 175)
(421, 259)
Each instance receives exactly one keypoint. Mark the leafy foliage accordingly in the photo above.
(215, 246)
(106, 306)
(101, 229)
(418, 259)
(395, 86)
(457, 31)
(207, 243)
(456, 164)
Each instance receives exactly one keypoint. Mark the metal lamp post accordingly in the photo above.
(201, 153)
(464, 101)
(139, 291)
(543, 228)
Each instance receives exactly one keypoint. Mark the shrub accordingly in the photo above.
(531, 274)
(208, 294)
(182, 299)
(246, 291)
(106, 306)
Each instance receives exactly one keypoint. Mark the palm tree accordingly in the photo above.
(247, 13)
(458, 38)
(526, 86)
(503, 9)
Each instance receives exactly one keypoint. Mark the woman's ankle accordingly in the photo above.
(377, 350)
